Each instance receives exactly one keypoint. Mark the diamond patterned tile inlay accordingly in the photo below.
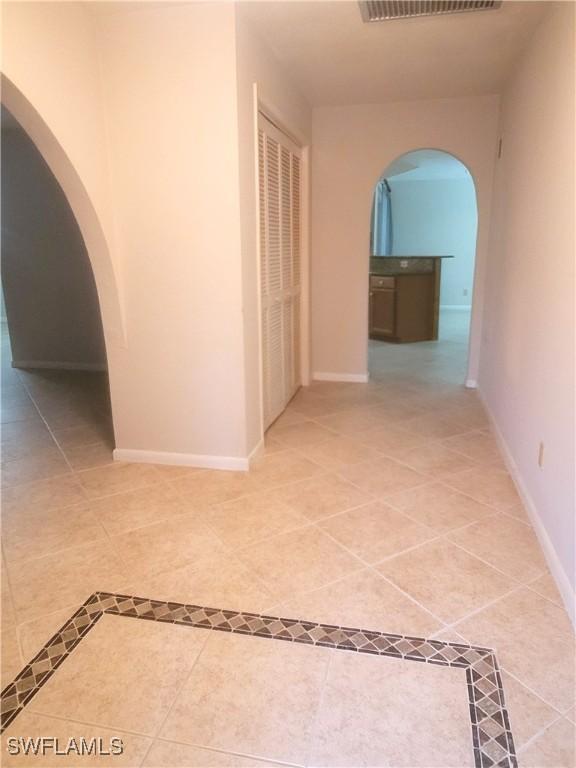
(491, 735)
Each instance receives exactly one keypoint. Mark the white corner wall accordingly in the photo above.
(438, 216)
(527, 365)
(352, 146)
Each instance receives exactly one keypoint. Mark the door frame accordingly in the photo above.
(262, 106)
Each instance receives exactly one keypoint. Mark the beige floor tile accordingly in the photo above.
(351, 422)
(555, 748)
(322, 496)
(7, 613)
(534, 640)
(507, 544)
(382, 476)
(518, 511)
(46, 494)
(446, 580)
(40, 465)
(89, 456)
(477, 445)
(299, 434)
(272, 719)
(20, 446)
(85, 434)
(298, 561)
(271, 446)
(546, 586)
(338, 452)
(45, 585)
(571, 715)
(434, 459)
(437, 426)
(289, 417)
(375, 531)
(27, 535)
(364, 600)
(10, 656)
(528, 713)
(125, 674)
(449, 635)
(438, 506)
(116, 478)
(215, 486)
(169, 754)
(391, 439)
(252, 518)
(33, 635)
(281, 468)
(421, 720)
(134, 509)
(173, 471)
(485, 484)
(161, 547)
(219, 582)
(29, 725)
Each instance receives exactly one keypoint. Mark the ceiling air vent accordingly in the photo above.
(383, 10)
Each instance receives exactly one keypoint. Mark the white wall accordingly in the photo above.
(527, 368)
(276, 92)
(51, 300)
(170, 81)
(145, 114)
(352, 146)
(438, 216)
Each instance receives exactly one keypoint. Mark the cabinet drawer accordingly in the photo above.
(382, 282)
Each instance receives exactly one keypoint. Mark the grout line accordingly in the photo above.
(537, 735)
(177, 695)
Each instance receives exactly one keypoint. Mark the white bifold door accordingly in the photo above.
(279, 193)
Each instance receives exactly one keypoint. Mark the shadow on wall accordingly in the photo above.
(51, 301)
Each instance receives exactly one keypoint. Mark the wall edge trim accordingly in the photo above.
(201, 461)
(353, 378)
(558, 574)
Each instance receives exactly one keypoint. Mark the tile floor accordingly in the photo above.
(384, 506)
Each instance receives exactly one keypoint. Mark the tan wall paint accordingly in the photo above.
(256, 65)
(174, 153)
(351, 147)
(51, 300)
(527, 365)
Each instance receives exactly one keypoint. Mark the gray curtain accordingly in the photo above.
(381, 225)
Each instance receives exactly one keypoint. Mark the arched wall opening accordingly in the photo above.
(76, 324)
(423, 240)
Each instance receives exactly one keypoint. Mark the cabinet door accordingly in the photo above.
(382, 313)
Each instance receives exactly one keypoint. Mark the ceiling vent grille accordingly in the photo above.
(383, 10)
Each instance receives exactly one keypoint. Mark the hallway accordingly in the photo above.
(384, 506)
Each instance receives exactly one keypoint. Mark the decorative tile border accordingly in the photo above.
(491, 735)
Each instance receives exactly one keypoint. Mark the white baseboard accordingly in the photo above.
(58, 365)
(354, 378)
(457, 307)
(233, 463)
(471, 384)
(558, 574)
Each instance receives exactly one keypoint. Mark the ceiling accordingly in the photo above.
(426, 164)
(337, 59)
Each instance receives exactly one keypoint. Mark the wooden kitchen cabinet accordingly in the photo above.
(404, 308)
(383, 308)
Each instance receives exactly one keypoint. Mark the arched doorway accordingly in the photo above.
(423, 231)
(56, 405)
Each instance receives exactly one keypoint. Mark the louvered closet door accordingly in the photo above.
(279, 191)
